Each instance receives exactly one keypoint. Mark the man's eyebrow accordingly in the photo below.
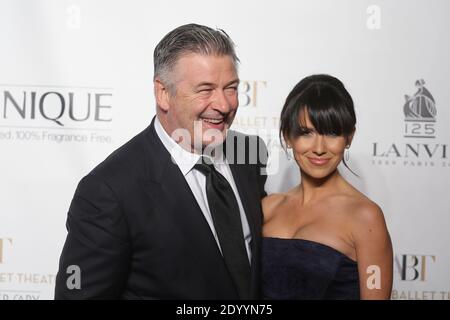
(205, 84)
(210, 84)
(235, 81)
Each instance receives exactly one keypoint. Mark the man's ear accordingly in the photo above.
(162, 95)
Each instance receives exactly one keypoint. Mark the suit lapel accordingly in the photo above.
(249, 193)
(172, 196)
(242, 175)
(241, 178)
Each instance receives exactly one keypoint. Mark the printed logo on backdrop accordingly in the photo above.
(420, 113)
(420, 146)
(3, 243)
(55, 114)
(20, 285)
(418, 269)
(255, 117)
(252, 106)
(248, 92)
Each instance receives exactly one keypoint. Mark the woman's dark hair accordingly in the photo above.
(328, 104)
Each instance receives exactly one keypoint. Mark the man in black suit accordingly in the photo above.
(174, 213)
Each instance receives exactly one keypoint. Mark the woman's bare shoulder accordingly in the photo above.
(360, 207)
(271, 203)
(367, 216)
(273, 200)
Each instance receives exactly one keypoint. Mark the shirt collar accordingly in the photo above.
(184, 159)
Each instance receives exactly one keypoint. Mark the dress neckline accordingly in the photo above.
(314, 243)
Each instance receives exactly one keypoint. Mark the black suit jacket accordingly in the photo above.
(136, 231)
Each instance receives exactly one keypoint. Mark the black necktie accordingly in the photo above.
(227, 222)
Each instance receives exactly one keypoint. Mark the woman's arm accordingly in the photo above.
(373, 252)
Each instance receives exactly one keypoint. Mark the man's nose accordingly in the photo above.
(221, 102)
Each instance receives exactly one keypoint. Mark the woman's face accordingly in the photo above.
(317, 155)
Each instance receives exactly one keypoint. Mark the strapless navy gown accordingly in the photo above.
(303, 269)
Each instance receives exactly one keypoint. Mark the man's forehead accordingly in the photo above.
(196, 56)
(194, 64)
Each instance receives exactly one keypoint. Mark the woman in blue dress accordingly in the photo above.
(323, 239)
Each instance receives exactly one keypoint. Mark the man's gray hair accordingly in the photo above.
(190, 38)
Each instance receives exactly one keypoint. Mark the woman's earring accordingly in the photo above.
(347, 153)
(288, 152)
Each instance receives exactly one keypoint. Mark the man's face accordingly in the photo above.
(204, 101)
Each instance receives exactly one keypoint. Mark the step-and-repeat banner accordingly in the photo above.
(76, 83)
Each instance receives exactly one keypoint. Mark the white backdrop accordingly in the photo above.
(76, 83)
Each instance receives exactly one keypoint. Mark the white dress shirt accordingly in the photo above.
(196, 180)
